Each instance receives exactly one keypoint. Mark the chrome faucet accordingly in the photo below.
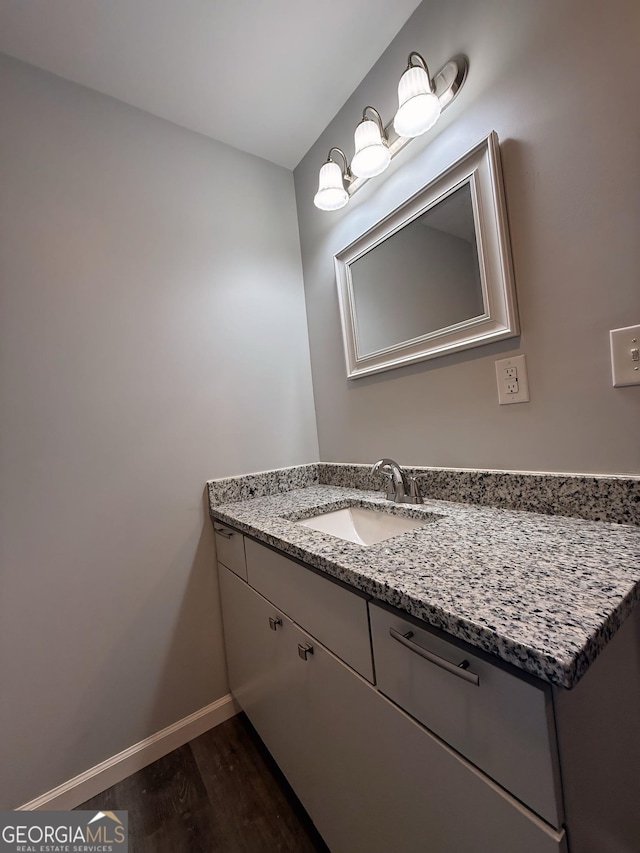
(400, 487)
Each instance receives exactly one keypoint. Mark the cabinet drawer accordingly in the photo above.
(503, 724)
(230, 549)
(329, 612)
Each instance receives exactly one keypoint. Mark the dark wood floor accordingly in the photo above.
(220, 793)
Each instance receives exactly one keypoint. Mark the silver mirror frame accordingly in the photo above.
(480, 167)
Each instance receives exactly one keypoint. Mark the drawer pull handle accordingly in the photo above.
(304, 651)
(461, 670)
(226, 533)
(273, 623)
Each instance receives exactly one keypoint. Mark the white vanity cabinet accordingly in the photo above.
(372, 778)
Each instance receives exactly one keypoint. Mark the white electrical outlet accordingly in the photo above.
(625, 356)
(513, 384)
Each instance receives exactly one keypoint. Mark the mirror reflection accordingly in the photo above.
(423, 278)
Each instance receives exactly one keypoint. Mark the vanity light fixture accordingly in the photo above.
(372, 155)
(419, 108)
(332, 194)
(421, 99)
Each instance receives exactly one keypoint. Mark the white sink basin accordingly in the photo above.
(360, 525)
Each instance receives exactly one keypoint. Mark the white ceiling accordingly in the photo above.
(265, 76)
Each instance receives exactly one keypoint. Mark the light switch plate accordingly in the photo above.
(625, 356)
(513, 383)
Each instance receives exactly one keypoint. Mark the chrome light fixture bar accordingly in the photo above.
(421, 100)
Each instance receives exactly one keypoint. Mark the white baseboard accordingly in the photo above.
(97, 779)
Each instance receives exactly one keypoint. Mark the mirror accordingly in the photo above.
(435, 275)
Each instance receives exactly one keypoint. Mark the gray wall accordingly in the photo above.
(152, 335)
(554, 80)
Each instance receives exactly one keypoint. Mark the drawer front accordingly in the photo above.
(230, 549)
(329, 612)
(503, 724)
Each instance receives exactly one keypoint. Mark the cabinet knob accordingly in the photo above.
(273, 623)
(305, 650)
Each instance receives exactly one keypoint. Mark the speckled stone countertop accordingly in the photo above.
(544, 593)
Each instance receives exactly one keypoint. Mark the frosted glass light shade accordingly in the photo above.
(372, 155)
(419, 108)
(331, 193)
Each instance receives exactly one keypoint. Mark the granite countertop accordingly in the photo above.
(545, 593)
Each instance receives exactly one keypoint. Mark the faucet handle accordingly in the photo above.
(415, 495)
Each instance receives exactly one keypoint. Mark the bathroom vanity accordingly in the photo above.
(455, 688)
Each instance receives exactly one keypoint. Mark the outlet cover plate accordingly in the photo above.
(625, 347)
(512, 372)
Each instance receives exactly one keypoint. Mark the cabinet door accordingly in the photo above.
(263, 667)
